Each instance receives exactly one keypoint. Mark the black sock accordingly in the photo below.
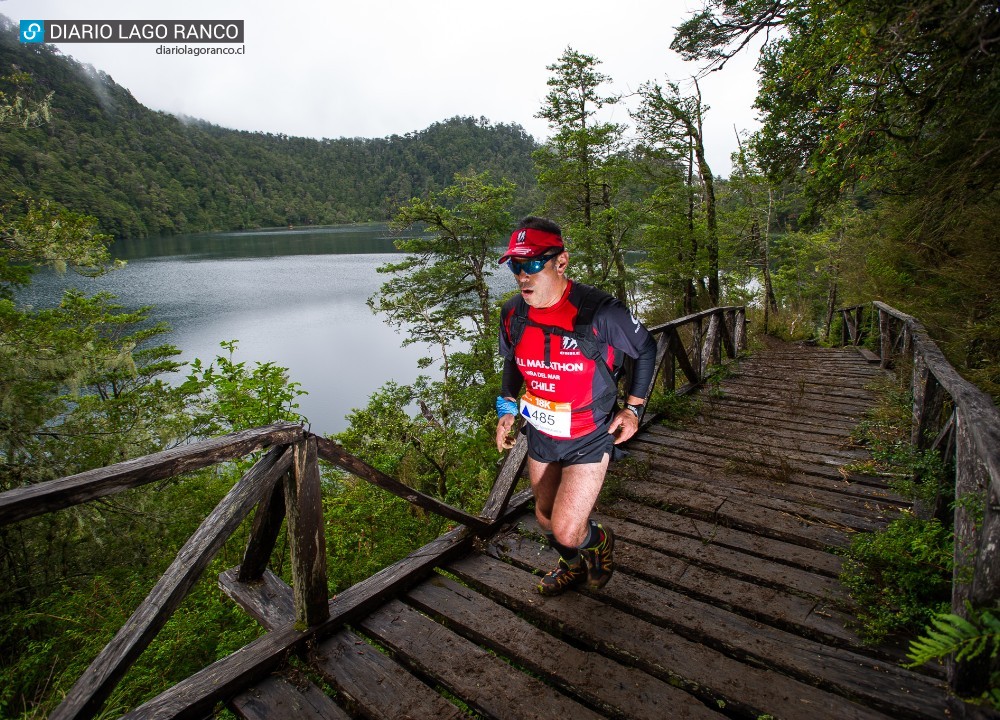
(570, 554)
(595, 536)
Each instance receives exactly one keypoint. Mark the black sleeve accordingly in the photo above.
(510, 385)
(644, 368)
(619, 328)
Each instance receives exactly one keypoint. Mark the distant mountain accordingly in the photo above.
(143, 172)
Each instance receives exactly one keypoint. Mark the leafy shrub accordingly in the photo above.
(899, 577)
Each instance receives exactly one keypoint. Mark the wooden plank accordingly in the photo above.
(333, 453)
(752, 518)
(29, 501)
(96, 684)
(307, 539)
(264, 534)
(267, 599)
(481, 680)
(374, 684)
(611, 688)
(197, 694)
(277, 697)
(727, 485)
(852, 674)
(510, 473)
(745, 690)
(868, 355)
(733, 563)
(805, 558)
(812, 617)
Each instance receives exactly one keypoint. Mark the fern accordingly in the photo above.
(967, 639)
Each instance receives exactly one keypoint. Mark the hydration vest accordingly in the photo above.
(587, 300)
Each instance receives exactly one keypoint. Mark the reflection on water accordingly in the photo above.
(294, 297)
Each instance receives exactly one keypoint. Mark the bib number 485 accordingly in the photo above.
(550, 417)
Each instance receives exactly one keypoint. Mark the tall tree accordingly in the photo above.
(441, 294)
(583, 167)
(673, 123)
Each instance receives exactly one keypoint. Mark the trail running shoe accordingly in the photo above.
(563, 578)
(600, 559)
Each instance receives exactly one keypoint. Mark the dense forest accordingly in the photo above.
(874, 176)
(143, 173)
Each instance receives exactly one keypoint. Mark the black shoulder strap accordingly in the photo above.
(588, 300)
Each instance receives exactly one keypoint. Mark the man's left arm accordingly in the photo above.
(626, 334)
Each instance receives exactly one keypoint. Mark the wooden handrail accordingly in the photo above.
(31, 500)
(969, 436)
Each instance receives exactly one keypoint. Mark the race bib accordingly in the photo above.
(550, 417)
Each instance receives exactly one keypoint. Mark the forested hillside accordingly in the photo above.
(142, 172)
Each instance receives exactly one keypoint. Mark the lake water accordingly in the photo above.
(295, 297)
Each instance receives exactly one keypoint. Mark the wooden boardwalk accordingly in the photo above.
(725, 604)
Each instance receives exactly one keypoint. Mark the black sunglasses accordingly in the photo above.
(531, 266)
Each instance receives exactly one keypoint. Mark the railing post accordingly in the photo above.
(696, 339)
(885, 338)
(264, 534)
(971, 480)
(740, 331)
(304, 511)
(928, 405)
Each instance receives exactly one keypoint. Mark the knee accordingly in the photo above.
(544, 518)
(567, 534)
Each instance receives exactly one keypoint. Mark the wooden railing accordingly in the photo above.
(957, 419)
(284, 485)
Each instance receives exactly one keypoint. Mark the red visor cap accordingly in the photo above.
(529, 243)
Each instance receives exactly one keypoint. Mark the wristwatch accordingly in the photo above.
(636, 409)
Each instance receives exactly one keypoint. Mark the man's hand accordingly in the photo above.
(505, 441)
(624, 425)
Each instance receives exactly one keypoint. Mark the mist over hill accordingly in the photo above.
(142, 172)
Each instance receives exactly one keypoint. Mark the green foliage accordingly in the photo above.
(900, 577)
(583, 169)
(232, 396)
(966, 639)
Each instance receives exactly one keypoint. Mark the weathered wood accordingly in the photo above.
(111, 664)
(733, 563)
(850, 673)
(267, 599)
(710, 346)
(666, 360)
(335, 454)
(683, 361)
(483, 681)
(373, 682)
(510, 473)
(740, 333)
(708, 533)
(197, 694)
(29, 501)
(812, 617)
(307, 538)
(613, 689)
(277, 697)
(928, 404)
(264, 534)
(885, 339)
(375, 685)
(751, 518)
(745, 690)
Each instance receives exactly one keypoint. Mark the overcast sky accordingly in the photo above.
(381, 67)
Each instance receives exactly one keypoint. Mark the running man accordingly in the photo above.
(564, 341)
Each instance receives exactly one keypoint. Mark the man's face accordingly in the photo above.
(544, 288)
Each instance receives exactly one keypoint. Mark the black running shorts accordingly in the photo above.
(590, 448)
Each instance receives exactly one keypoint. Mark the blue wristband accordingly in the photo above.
(506, 407)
